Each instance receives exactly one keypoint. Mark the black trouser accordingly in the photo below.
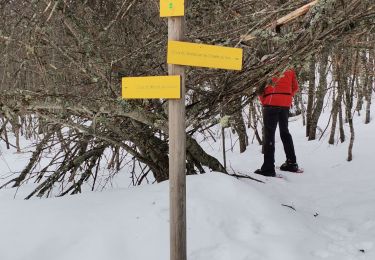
(271, 116)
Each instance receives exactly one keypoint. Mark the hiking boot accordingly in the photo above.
(267, 173)
(289, 166)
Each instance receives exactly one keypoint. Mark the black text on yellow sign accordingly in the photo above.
(167, 87)
(203, 55)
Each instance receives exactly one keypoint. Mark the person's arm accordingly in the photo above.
(295, 86)
(260, 92)
(261, 98)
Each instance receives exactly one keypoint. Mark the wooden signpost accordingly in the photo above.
(172, 87)
(177, 153)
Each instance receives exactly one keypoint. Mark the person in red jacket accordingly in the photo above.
(276, 100)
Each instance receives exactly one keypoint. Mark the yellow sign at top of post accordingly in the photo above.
(169, 8)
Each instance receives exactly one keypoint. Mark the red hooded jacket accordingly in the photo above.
(281, 92)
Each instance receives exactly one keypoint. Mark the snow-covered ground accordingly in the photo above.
(227, 218)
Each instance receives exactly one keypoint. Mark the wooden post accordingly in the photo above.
(177, 153)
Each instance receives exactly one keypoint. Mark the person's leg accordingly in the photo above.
(270, 118)
(286, 137)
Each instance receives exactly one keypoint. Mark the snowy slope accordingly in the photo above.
(228, 218)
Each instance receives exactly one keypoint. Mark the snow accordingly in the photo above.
(227, 218)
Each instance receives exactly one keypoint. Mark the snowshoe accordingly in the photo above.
(290, 167)
(267, 173)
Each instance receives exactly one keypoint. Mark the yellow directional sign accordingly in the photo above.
(202, 55)
(168, 87)
(170, 8)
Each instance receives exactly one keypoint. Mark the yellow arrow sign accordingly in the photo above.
(169, 8)
(202, 55)
(168, 87)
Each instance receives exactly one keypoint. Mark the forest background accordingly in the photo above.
(62, 64)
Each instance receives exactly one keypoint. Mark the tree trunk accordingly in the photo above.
(341, 125)
(349, 106)
(368, 94)
(368, 100)
(5, 122)
(253, 117)
(336, 103)
(322, 89)
(335, 110)
(240, 126)
(311, 95)
(303, 109)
